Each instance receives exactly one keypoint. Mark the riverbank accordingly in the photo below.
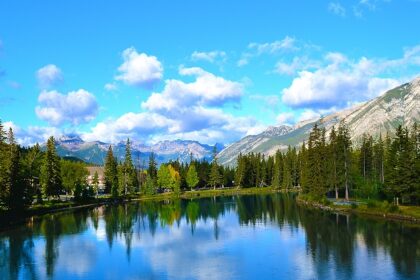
(376, 209)
(9, 219)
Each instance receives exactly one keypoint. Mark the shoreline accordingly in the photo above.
(366, 212)
(10, 220)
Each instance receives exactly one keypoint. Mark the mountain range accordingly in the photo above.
(94, 152)
(398, 106)
(381, 115)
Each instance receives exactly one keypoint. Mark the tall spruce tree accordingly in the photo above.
(278, 170)
(51, 171)
(316, 147)
(240, 170)
(332, 162)
(379, 160)
(3, 164)
(129, 177)
(111, 173)
(15, 186)
(344, 157)
(215, 178)
(152, 169)
(304, 171)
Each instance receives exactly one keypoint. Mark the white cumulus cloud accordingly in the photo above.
(211, 56)
(340, 83)
(139, 69)
(76, 107)
(49, 75)
(129, 125)
(207, 89)
(183, 110)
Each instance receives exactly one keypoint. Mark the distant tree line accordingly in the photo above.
(173, 176)
(324, 165)
(332, 165)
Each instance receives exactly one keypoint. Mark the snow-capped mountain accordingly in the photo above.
(95, 152)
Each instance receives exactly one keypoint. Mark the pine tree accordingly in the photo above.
(149, 186)
(3, 164)
(32, 162)
(95, 182)
(128, 176)
(111, 173)
(304, 172)
(287, 181)
(316, 145)
(152, 170)
(379, 160)
(192, 177)
(15, 185)
(51, 171)
(240, 170)
(278, 170)
(415, 141)
(332, 162)
(366, 157)
(215, 176)
(344, 156)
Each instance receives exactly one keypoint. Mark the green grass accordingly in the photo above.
(208, 193)
(371, 207)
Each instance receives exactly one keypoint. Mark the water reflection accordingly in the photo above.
(245, 237)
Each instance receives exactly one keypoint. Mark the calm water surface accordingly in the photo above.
(238, 237)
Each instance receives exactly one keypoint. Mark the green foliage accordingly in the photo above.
(169, 178)
(111, 173)
(51, 171)
(192, 177)
(73, 173)
(372, 204)
(83, 192)
(149, 186)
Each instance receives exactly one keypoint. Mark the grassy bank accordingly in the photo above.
(380, 209)
(209, 193)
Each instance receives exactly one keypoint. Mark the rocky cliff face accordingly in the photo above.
(381, 115)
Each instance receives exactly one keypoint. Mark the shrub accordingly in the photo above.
(371, 204)
(325, 201)
(393, 208)
(385, 205)
(354, 206)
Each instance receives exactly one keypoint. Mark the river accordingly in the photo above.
(231, 237)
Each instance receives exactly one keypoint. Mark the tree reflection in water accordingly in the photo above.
(331, 239)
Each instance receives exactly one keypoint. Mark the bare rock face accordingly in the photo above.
(398, 106)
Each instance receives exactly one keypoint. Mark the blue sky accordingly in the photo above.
(212, 71)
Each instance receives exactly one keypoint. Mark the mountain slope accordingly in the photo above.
(383, 114)
(95, 152)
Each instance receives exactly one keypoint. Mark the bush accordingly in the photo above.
(325, 201)
(385, 204)
(393, 208)
(371, 204)
(354, 206)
